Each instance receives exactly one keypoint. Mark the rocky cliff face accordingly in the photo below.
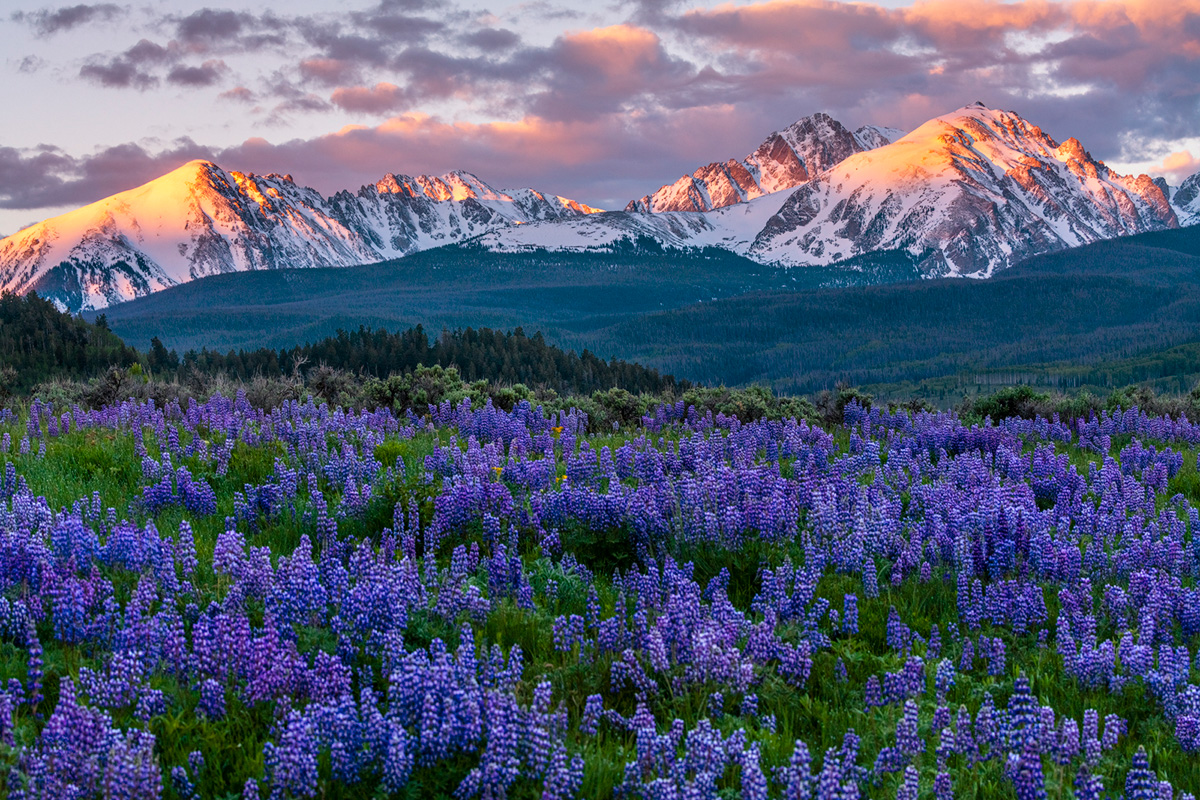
(1186, 201)
(787, 159)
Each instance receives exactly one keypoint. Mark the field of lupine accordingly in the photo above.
(216, 601)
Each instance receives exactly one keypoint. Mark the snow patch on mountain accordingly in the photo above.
(733, 227)
(1186, 201)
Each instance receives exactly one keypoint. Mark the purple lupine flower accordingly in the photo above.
(934, 647)
(1029, 779)
(1023, 719)
(1114, 727)
(716, 705)
(874, 696)
(1088, 786)
(181, 783)
(944, 677)
(1091, 737)
(592, 712)
(34, 670)
(967, 661)
(850, 614)
(908, 738)
(1140, 781)
(6, 719)
(754, 782)
(996, 657)
(943, 787)
(212, 699)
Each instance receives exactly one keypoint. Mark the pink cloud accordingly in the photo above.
(381, 98)
(328, 71)
(1177, 166)
(620, 57)
(238, 94)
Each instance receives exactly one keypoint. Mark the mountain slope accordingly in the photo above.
(1186, 201)
(734, 227)
(202, 220)
(978, 189)
(784, 160)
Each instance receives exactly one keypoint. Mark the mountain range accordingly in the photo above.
(965, 194)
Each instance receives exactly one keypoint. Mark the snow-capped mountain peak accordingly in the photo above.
(973, 191)
(784, 160)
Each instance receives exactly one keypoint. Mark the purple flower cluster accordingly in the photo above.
(194, 495)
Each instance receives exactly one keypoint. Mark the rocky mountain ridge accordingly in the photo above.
(785, 160)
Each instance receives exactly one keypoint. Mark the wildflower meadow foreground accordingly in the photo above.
(218, 601)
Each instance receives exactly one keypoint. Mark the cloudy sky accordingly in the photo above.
(603, 104)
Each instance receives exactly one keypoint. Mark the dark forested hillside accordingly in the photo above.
(1061, 319)
(1100, 315)
(462, 287)
(37, 342)
(483, 354)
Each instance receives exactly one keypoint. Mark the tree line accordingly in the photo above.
(39, 343)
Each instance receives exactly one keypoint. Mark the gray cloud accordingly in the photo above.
(212, 25)
(390, 24)
(30, 64)
(207, 74)
(651, 11)
(118, 73)
(48, 22)
(46, 176)
(148, 52)
(131, 69)
(492, 40)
